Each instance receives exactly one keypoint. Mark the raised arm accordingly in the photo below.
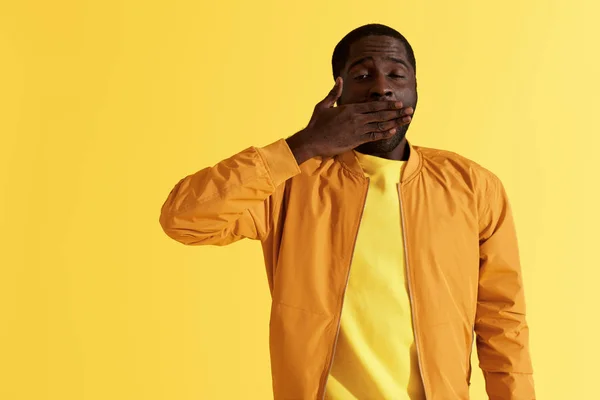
(232, 200)
(236, 198)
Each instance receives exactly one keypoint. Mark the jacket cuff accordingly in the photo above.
(279, 161)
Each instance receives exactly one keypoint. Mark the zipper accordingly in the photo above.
(410, 295)
(337, 334)
(470, 355)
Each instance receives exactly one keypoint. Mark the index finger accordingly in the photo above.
(374, 106)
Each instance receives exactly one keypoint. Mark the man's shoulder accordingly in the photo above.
(446, 159)
(443, 156)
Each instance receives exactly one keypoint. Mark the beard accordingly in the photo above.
(384, 145)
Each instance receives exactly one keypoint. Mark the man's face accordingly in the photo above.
(378, 69)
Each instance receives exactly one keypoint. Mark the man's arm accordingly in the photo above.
(236, 198)
(230, 201)
(500, 324)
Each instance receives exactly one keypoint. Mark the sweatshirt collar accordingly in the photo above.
(411, 168)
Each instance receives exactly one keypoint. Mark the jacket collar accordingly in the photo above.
(411, 168)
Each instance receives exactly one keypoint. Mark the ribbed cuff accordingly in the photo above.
(280, 161)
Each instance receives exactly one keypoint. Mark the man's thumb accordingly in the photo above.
(334, 94)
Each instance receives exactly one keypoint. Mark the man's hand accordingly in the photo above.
(334, 130)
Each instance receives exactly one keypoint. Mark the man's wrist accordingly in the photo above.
(299, 147)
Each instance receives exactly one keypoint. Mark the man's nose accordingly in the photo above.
(381, 89)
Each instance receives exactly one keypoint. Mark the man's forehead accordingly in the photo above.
(377, 45)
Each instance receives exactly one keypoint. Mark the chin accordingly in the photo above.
(384, 145)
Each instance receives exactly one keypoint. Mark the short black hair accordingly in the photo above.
(342, 49)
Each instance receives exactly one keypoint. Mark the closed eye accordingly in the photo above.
(396, 76)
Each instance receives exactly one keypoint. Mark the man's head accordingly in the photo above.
(376, 63)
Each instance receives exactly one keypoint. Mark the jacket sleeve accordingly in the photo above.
(230, 201)
(500, 325)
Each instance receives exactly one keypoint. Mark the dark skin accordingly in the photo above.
(376, 95)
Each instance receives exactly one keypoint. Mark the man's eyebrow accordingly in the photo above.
(397, 60)
(369, 58)
(359, 61)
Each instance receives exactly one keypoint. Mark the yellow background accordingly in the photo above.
(105, 105)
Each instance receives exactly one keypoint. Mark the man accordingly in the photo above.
(384, 260)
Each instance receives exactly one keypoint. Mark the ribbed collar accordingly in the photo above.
(411, 168)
